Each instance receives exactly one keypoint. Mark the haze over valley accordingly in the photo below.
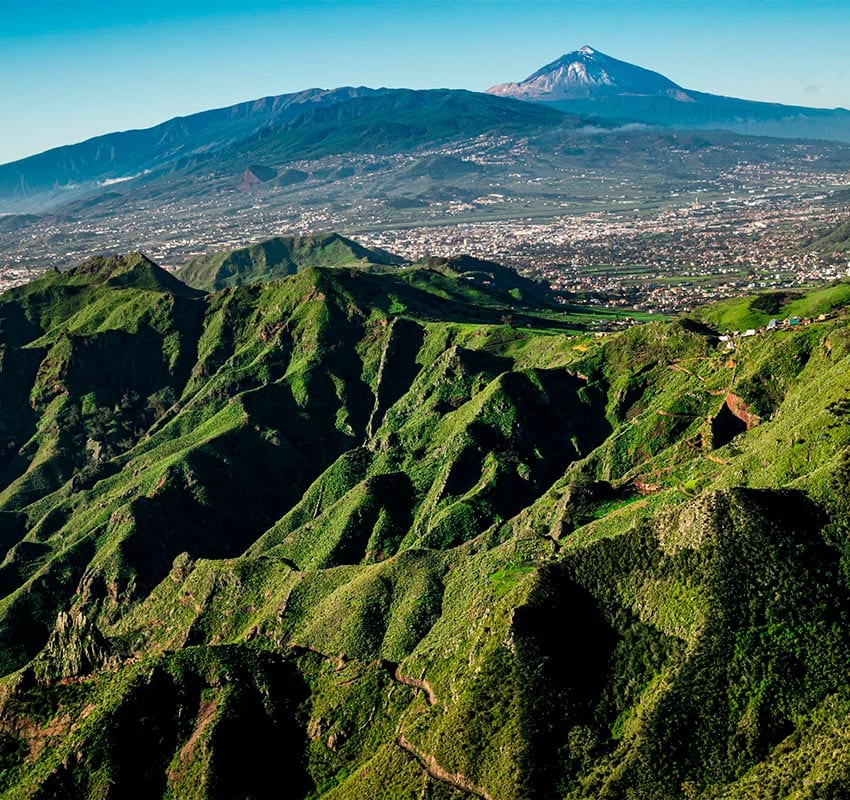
(427, 444)
(425, 173)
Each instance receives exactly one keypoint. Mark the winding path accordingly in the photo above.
(415, 683)
(432, 768)
(428, 763)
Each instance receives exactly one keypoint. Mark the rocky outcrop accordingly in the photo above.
(732, 419)
(76, 648)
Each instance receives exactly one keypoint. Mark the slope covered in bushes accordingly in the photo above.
(400, 535)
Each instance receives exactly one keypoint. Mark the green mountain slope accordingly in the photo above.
(395, 121)
(398, 534)
(756, 311)
(278, 257)
(835, 243)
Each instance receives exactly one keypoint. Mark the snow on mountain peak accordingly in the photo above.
(587, 72)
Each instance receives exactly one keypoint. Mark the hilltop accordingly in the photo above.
(398, 532)
(275, 258)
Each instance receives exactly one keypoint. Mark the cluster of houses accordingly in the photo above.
(772, 325)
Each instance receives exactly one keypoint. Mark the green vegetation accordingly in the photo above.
(741, 313)
(400, 533)
(393, 121)
(834, 243)
(277, 258)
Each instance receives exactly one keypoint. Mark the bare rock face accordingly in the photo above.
(76, 648)
(255, 175)
(733, 418)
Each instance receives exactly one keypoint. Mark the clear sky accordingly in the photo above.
(72, 69)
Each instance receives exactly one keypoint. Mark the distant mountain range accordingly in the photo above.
(118, 156)
(308, 124)
(250, 138)
(589, 82)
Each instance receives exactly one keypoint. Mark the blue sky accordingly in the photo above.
(77, 68)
